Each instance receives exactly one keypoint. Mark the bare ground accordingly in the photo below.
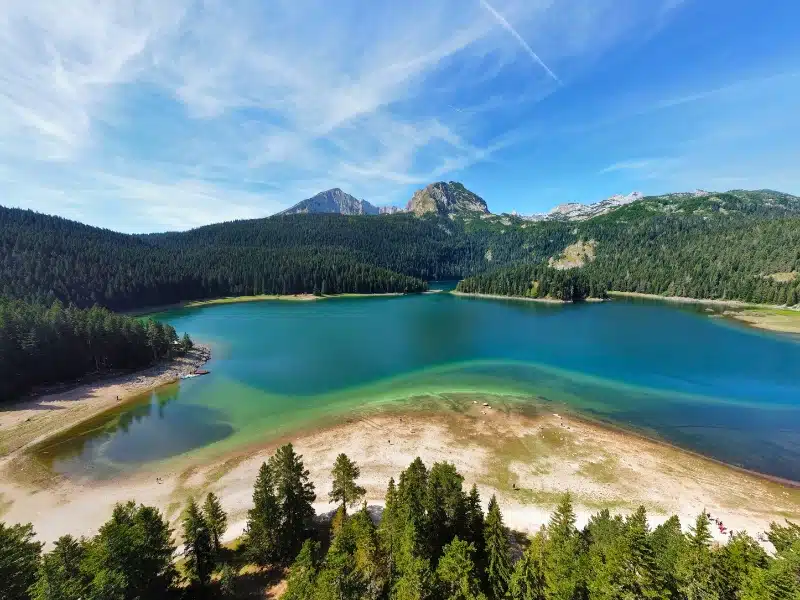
(527, 461)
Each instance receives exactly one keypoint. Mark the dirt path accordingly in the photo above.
(527, 461)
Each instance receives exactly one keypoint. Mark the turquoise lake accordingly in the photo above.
(706, 384)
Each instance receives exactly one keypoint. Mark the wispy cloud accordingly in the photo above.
(631, 165)
(145, 114)
(508, 27)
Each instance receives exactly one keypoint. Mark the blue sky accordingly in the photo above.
(151, 115)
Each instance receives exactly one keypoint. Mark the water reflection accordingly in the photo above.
(151, 428)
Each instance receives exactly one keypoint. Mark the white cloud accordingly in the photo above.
(183, 112)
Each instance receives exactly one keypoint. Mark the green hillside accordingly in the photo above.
(734, 245)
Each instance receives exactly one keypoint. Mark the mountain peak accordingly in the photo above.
(445, 198)
(335, 201)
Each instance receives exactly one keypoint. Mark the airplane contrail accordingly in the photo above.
(508, 27)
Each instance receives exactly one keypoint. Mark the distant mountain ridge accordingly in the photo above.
(333, 201)
(576, 211)
(724, 245)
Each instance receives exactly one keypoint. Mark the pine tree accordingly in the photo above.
(414, 573)
(641, 578)
(445, 507)
(411, 491)
(345, 489)
(527, 581)
(227, 581)
(563, 573)
(389, 533)
(498, 552)
(669, 544)
(59, 576)
(263, 520)
(198, 545)
(474, 530)
(19, 557)
(695, 570)
(295, 494)
(301, 582)
(131, 556)
(216, 519)
(455, 574)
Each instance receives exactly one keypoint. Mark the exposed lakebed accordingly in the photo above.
(718, 388)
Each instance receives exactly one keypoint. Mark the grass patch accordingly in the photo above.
(602, 471)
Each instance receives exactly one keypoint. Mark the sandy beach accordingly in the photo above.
(36, 418)
(527, 461)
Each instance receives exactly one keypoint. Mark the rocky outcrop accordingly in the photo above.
(446, 199)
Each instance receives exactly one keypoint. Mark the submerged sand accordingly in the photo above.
(782, 319)
(528, 462)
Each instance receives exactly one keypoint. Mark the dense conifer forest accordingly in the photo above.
(43, 345)
(534, 281)
(737, 245)
(431, 541)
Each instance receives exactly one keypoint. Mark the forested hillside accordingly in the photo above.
(46, 258)
(433, 541)
(737, 245)
(43, 345)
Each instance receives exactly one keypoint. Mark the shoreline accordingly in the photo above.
(499, 297)
(527, 461)
(30, 420)
(767, 317)
(259, 298)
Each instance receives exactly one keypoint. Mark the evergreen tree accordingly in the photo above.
(216, 519)
(60, 576)
(414, 581)
(389, 532)
(263, 520)
(641, 576)
(498, 552)
(474, 530)
(445, 507)
(19, 557)
(227, 581)
(783, 537)
(301, 582)
(734, 561)
(563, 572)
(527, 581)
(345, 489)
(669, 545)
(695, 569)
(455, 574)
(131, 556)
(294, 494)
(198, 545)
(411, 492)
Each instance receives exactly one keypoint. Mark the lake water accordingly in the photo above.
(705, 384)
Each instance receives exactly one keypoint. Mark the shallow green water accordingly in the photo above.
(705, 384)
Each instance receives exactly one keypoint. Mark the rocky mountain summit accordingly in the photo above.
(446, 199)
(334, 201)
(575, 211)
